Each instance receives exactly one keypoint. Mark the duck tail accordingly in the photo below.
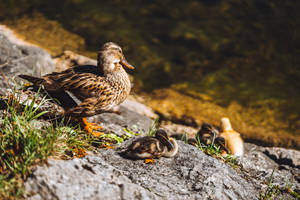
(36, 81)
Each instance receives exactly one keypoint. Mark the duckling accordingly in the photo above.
(220, 141)
(207, 134)
(233, 140)
(150, 147)
(97, 89)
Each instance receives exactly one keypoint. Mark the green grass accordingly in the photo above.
(153, 128)
(215, 151)
(273, 191)
(23, 145)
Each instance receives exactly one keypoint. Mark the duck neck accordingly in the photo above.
(225, 124)
(120, 82)
(173, 151)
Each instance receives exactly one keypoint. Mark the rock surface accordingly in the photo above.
(128, 118)
(87, 178)
(69, 58)
(191, 174)
(21, 58)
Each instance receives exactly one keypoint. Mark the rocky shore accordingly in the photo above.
(104, 174)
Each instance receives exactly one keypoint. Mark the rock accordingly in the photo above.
(26, 59)
(69, 58)
(189, 175)
(132, 104)
(116, 123)
(283, 156)
(179, 130)
(261, 165)
(87, 178)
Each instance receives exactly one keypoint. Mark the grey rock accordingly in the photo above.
(116, 123)
(69, 58)
(21, 59)
(87, 178)
(262, 164)
(189, 175)
(133, 105)
(283, 156)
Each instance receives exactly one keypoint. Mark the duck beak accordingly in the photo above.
(126, 64)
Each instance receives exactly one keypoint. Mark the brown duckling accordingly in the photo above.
(150, 147)
(220, 141)
(233, 140)
(98, 88)
(207, 134)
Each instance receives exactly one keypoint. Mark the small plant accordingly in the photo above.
(216, 152)
(21, 145)
(289, 190)
(153, 128)
(129, 133)
(272, 191)
(185, 138)
(112, 137)
(293, 193)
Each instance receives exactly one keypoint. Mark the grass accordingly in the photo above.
(273, 191)
(216, 152)
(153, 128)
(23, 145)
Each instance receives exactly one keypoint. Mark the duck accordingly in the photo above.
(232, 139)
(150, 147)
(207, 134)
(93, 89)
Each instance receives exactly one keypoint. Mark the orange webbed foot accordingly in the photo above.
(27, 84)
(90, 127)
(150, 161)
(108, 146)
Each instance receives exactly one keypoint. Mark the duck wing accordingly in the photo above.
(84, 82)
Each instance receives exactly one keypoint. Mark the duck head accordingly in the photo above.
(225, 124)
(162, 136)
(221, 142)
(112, 59)
(207, 133)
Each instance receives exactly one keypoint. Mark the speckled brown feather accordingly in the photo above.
(152, 147)
(148, 145)
(207, 133)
